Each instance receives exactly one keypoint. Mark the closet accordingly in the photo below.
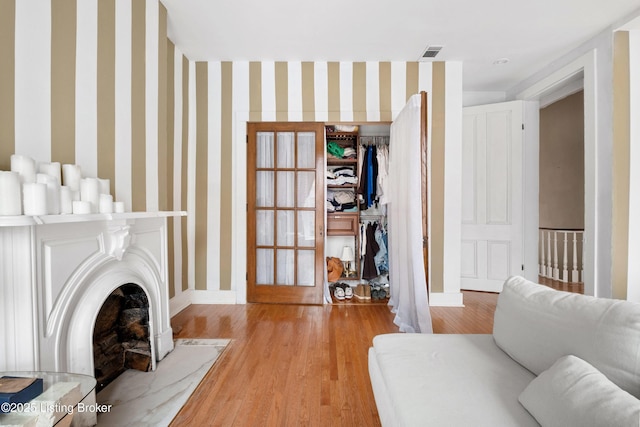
(356, 243)
(311, 212)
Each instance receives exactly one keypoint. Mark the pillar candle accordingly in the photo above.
(81, 207)
(90, 192)
(71, 175)
(34, 196)
(66, 200)
(106, 203)
(10, 193)
(25, 166)
(118, 207)
(53, 192)
(51, 169)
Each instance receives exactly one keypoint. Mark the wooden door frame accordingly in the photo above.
(424, 157)
(286, 294)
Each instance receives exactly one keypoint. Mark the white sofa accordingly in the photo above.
(554, 358)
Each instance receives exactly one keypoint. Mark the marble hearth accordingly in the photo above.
(57, 271)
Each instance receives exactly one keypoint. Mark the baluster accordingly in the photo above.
(565, 271)
(541, 267)
(581, 269)
(556, 270)
(575, 278)
(549, 256)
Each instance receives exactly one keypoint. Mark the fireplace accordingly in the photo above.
(57, 271)
(121, 338)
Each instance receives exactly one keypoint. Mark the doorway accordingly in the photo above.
(561, 192)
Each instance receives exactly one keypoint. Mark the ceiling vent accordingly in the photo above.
(432, 51)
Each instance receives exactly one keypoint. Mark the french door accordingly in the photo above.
(285, 212)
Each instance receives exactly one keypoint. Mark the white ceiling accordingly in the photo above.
(531, 33)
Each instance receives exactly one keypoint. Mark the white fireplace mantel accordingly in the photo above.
(56, 271)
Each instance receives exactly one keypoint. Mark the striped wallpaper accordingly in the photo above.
(237, 92)
(97, 83)
(86, 82)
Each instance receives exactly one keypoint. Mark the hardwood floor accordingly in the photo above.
(562, 286)
(290, 365)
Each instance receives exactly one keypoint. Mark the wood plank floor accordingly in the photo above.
(290, 365)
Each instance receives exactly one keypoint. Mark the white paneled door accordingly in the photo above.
(492, 183)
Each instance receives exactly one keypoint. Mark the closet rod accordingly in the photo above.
(374, 140)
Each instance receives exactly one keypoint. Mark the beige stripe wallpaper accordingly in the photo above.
(63, 81)
(7, 87)
(242, 91)
(138, 113)
(169, 122)
(308, 98)
(183, 172)
(359, 91)
(226, 177)
(385, 91)
(437, 175)
(106, 91)
(202, 141)
(621, 166)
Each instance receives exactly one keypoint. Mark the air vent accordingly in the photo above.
(432, 51)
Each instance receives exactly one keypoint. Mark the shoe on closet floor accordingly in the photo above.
(363, 292)
(338, 293)
(348, 292)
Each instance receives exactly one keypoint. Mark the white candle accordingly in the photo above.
(66, 200)
(118, 207)
(51, 169)
(35, 198)
(25, 166)
(90, 192)
(71, 175)
(80, 207)
(106, 203)
(10, 193)
(53, 192)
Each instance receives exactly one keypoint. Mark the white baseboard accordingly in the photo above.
(179, 302)
(213, 297)
(446, 299)
(191, 296)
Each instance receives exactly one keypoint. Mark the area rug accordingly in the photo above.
(154, 398)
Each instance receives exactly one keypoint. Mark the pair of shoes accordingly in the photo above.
(363, 292)
(343, 291)
(377, 292)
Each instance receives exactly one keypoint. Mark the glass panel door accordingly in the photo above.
(285, 230)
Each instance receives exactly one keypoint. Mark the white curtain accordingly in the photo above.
(409, 299)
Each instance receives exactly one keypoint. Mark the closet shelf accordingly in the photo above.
(335, 161)
(343, 186)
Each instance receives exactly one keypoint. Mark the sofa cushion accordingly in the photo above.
(446, 380)
(574, 393)
(537, 325)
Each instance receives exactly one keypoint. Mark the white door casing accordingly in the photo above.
(492, 199)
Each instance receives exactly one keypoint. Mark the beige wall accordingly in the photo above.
(562, 164)
(621, 166)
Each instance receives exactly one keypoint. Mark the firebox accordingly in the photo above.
(121, 338)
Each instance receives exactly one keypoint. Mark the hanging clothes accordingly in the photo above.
(382, 257)
(369, 270)
(369, 177)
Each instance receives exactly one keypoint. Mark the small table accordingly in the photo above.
(67, 399)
